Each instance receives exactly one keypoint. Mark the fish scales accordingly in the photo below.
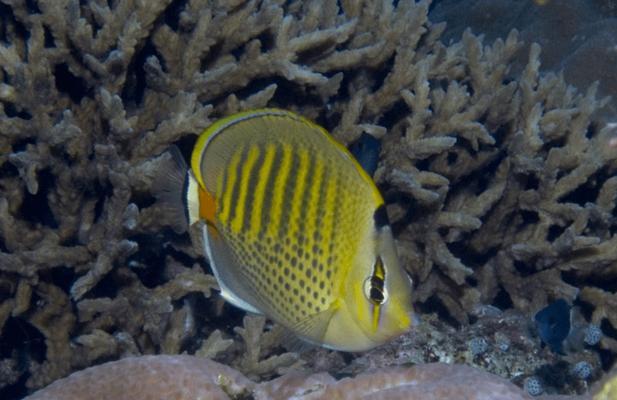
(264, 175)
(300, 278)
(292, 231)
(249, 167)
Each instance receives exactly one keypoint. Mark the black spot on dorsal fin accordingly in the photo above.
(381, 216)
(366, 151)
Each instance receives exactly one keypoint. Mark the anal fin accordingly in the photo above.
(228, 271)
(294, 343)
(312, 329)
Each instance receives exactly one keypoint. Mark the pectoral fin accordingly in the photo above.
(313, 328)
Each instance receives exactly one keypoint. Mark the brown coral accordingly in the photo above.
(501, 188)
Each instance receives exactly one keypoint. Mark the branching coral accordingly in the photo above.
(257, 342)
(500, 187)
(525, 217)
(578, 36)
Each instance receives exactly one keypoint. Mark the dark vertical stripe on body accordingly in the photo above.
(266, 209)
(253, 178)
(233, 203)
(321, 204)
(223, 205)
(290, 185)
(337, 208)
(310, 181)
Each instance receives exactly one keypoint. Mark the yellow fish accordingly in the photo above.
(296, 230)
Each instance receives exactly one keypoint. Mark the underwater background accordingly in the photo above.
(497, 160)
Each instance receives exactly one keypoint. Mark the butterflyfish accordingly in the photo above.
(296, 230)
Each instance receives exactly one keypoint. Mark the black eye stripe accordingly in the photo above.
(377, 295)
(377, 282)
(376, 292)
(381, 217)
(374, 285)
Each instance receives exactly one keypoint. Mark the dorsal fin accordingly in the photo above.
(240, 133)
(213, 150)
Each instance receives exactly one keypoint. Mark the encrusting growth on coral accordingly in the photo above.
(501, 187)
(169, 377)
(157, 377)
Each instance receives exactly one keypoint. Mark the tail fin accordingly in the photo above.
(170, 187)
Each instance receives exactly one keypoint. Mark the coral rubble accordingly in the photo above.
(500, 185)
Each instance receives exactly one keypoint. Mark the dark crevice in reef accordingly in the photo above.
(171, 16)
(502, 299)
(67, 82)
(135, 85)
(35, 207)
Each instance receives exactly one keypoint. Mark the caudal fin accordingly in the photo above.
(170, 187)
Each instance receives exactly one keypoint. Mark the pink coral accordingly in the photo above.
(188, 377)
(420, 382)
(177, 377)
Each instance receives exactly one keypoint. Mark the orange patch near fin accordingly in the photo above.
(207, 205)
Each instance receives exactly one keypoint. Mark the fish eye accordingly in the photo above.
(374, 287)
(375, 291)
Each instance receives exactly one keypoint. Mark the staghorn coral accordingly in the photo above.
(551, 157)
(501, 188)
(256, 342)
(578, 36)
(604, 303)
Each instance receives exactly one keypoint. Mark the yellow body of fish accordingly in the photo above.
(297, 231)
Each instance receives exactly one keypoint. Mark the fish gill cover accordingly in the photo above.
(501, 186)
